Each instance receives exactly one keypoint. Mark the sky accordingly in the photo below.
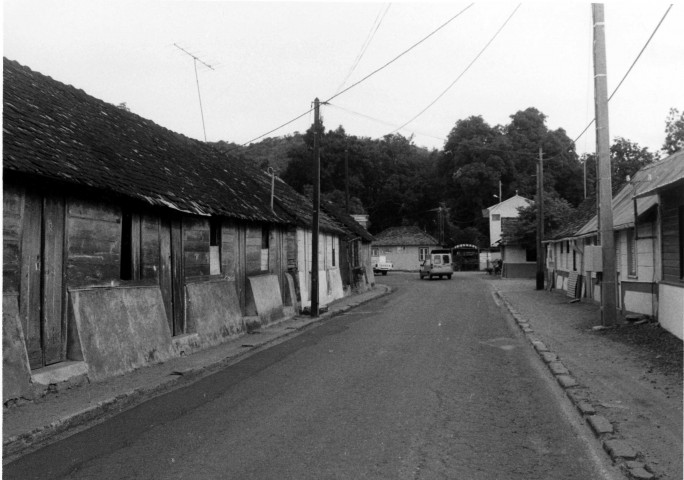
(270, 60)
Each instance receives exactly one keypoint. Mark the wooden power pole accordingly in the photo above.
(605, 217)
(316, 207)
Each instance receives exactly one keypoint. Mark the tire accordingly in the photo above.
(384, 272)
(448, 277)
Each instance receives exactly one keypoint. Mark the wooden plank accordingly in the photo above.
(13, 204)
(178, 277)
(52, 312)
(91, 210)
(165, 270)
(31, 264)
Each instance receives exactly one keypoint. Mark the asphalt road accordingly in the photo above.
(429, 382)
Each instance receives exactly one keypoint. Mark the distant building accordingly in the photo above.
(405, 247)
(518, 262)
(496, 213)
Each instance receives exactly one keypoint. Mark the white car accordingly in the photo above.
(437, 264)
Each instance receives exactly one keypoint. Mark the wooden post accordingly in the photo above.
(609, 274)
(316, 206)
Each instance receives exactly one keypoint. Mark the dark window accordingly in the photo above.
(631, 254)
(574, 261)
(531, 255)
(214, 246)
(215, 232)
(333, 255)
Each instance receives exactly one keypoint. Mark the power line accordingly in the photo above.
(462, 73)
(364, 78)
(371, 34)
(384, 122)
(629, 69)
(400, 55)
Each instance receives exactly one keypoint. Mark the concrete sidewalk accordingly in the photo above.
(30, 426)
(626, 381)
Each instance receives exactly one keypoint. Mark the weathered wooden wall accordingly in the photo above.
(196, 246)
(93, 243)
(12, 201)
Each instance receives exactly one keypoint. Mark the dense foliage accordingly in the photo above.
(445, 191)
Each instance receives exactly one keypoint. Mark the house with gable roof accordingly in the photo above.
(126, 244)
(518, 262)
(406, 247)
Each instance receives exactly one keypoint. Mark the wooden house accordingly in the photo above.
(126, 244)
(647, 225)
(405, 247)
(356, 267)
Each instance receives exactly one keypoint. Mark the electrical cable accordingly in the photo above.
(384, 122)
(400, 55)
(462, 73)
(364, 78)
(629, 69)
(371, 34)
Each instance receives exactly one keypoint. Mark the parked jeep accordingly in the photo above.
(437, 264)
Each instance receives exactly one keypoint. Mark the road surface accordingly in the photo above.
(429, 382)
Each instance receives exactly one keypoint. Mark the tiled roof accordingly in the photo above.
(406, 236)
(57, 132)
(300, 208)
(646, 181)
(347, 221)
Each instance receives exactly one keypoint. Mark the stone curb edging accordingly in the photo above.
(619, 450)
(13, 446)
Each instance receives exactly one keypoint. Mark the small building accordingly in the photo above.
(356, 267)
(516, 261)
(405, 247)
(497, 213)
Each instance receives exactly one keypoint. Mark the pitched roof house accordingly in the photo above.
(406, 247)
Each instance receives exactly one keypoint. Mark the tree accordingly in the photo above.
(674, 132)
(557, 212)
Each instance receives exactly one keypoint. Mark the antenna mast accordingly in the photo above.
(195, 59)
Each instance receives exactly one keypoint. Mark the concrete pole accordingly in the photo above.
(609, 275)
(540, 222)
(316, 207)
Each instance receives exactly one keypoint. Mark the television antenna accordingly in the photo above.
(199, 95)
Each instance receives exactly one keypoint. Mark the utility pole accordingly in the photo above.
(605, 217)
(540, 222)
(316, 207)
(346, 180)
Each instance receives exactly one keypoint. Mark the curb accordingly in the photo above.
(13, 447)
(620, 451)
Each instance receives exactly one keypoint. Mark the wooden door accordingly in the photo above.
(172, 276)
(43, 290)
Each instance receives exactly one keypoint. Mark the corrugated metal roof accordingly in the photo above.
(57, 132)
(669, 176)
(642, 185)
(406, 236)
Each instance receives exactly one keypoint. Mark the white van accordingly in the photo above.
(437, 264)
